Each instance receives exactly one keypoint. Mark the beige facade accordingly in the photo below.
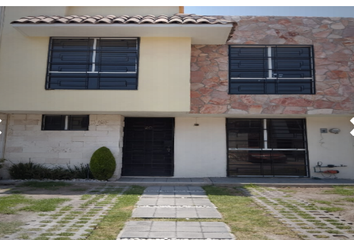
(163, 84)
(182, 74)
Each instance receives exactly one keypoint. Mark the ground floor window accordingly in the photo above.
(263, 147)
(65, 122)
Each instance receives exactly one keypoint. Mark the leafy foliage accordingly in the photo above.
(2, 160)
(32, 170)
(102, 164)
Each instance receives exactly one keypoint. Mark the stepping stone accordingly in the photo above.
(175, 212)
(172, 230)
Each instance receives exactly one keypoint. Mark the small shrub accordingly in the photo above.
(28, 170)
(83, 171)
(102, 164)
(32, 170)
(2, 160)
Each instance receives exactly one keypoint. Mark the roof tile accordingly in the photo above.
(179, 18)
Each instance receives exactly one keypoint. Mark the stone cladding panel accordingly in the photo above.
(333, 42)
(26, 140)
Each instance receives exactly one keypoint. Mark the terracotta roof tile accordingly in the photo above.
(179, 18)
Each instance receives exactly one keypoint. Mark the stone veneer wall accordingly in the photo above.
(26, 140)
(333, 41)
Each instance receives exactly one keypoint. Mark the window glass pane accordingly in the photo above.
(53, 122)
(116, 62)
(291, 163)
(291, 62)
(245, 133)
(248, 62)
(71, 64)
(116, 45)
(276, 163)
(116, 55)
(291, 70)
(286, 133)
(78, 122)
(71, 55)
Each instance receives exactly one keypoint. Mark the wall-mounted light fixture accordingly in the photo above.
(334, 130)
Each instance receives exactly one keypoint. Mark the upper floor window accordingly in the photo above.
(93, 63)
(271, 70)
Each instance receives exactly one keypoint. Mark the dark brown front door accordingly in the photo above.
(148, 147)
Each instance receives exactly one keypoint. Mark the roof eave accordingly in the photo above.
(199, 33)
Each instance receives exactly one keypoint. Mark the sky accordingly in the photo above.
(310, 11)
(314, 8)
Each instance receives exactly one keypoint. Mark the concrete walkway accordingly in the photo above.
(175, 202)
(235, 181)
(264, 181)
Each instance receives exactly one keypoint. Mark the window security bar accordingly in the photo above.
(294, 79)
(95, 72)
(267, 149)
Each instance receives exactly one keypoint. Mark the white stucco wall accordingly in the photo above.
(200, 151)
(331, 148)
(3, 117)
(26, 140)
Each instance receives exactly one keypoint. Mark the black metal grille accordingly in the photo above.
(271, 70)
(92, 63)
(245, 133)
(78, 122)
(148, 147)
(65, 122)
(53, 122)
(259, 147)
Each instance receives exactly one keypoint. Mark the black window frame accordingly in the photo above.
(66, 122)
(92, 63)
(269, 71)
(279, 139)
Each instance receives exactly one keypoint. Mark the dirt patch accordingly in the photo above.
(18, 217)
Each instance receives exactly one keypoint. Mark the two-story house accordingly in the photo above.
(178, 95)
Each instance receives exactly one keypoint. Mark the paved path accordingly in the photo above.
(175, 202)
(264, 181)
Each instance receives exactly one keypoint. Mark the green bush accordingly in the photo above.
(32, 170)
(102, 164)
(83, 171)
(2, 160)
(28, 170)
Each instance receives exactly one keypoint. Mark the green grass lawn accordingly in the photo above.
(247, 220)
(113, 222)
(9, 204)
